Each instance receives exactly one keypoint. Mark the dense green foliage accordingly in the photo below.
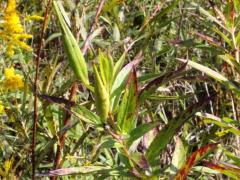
(127, 90)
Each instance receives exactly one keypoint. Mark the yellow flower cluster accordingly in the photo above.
(34, 17)
(12, 81)
(6, 168)
(12, 32)
(2, 111)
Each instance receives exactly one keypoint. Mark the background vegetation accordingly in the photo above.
(119, 89)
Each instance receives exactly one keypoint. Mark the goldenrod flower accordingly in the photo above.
(2, 111)
(13, 34)
(12, 81)
(11, 19)
(34, 17)
(6, 168)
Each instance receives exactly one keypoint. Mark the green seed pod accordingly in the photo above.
(101, 96)
(74, 54)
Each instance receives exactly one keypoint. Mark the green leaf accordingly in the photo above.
(75, 170)
(203, 169)
(120, 81)
(211, 119)
(166, 134)
(164, 78)
(228, 58)
(165, 11)
(215, 75)
(74, 54)
(88, 115)
(118, 66)
(237, 6)
(140, 131)
(52, 37)
(226, 39)
(49, 118)
(126, 118)
(116, 33)
(147, 77)
(231, 156)
(208, 15)
(110, 143)
(179, 155)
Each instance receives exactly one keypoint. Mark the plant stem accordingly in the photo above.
(73, 93)
(37, 60)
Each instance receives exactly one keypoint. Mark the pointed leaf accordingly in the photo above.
(209, 16)
(211, 119)
(88, 115)
(229, 170)
(120, 81)
(166, 134)
(151, 87)
(179, 155)
(140, 131)
(75, 170)
(217, 76)
(192, 160)
(126, 118)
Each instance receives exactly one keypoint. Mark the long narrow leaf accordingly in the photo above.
(127, 111)
(215, 75)
(120, 82)
(167, 133)
(140, 131)
(192, 160)
(233, 172)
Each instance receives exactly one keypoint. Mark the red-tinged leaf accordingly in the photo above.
(229, 170)
(192, 160)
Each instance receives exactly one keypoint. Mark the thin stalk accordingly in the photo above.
(37, 60)
(88, 40)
